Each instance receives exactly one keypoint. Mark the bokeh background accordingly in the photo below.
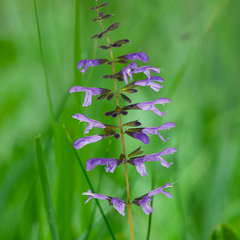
(196, 43)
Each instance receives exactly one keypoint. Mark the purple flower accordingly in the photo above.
(127, 71)
(154, 130)
(147, 106)
(144, 200)
(94, 195)
(81, 142)
(90, 63)
(92, 123)
(110, 162)
(149, 82)
(89, 93)
(117, 203)
(138, 135)
(135, 56)
(146, 70)
(139, 162)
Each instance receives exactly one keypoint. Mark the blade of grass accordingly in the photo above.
(46, 187)
(53, 121)
(150, 215)
(211, 20)
(89, 183)
(77, 51)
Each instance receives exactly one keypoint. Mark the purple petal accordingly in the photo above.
(110, 162)
(154, 130)
(139, 163)
(81, 142)
(137, 56)
(89, 63)
(167, 151)
(146, 70)
(92, 123)
(119, 205)
(89, 93)
(144, 203)
(141, 136)
(95, 195)
(162, 101)
(93, 162)
(160, 190)
(127, 71)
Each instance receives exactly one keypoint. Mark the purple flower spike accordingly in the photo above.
(144, 200)
(147, 106)
(110, 162)
(146, 70)
(144, 203)
(94, 195)
(154, 130)
(119, 205)
(135, 56)
(90, 63)
(149, 82)
(81, 142)
(89, 93)
(139, 162)
(127, 71)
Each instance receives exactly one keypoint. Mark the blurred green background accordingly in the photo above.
(196, 43)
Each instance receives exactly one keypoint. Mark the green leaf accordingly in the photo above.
(127, 99)
(42, 170)
(107, 16)
(103, 5)
(123, 41)
(131, 90)
(224, 231)
(136, 152)
(112, 27)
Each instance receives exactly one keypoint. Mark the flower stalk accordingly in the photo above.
(121, 133)
(135, 131)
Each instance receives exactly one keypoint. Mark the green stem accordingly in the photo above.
(121, 135)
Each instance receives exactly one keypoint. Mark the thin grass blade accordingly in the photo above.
(42, 169)
(89, 183)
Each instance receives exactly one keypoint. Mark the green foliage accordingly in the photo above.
(197, 45)
(224, 232)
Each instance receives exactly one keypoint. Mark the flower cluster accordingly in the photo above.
(133, 128)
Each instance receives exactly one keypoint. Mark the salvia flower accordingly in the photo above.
(111, 163)
(149, 82)
(92, 123)
(139, 162)
(146, 70)
(81, 142)
(127, 71)
(147, 106)
(117, 203)
(89, 93)
(154, 130)
(135, 56)
(144, 200)
(90, 63)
